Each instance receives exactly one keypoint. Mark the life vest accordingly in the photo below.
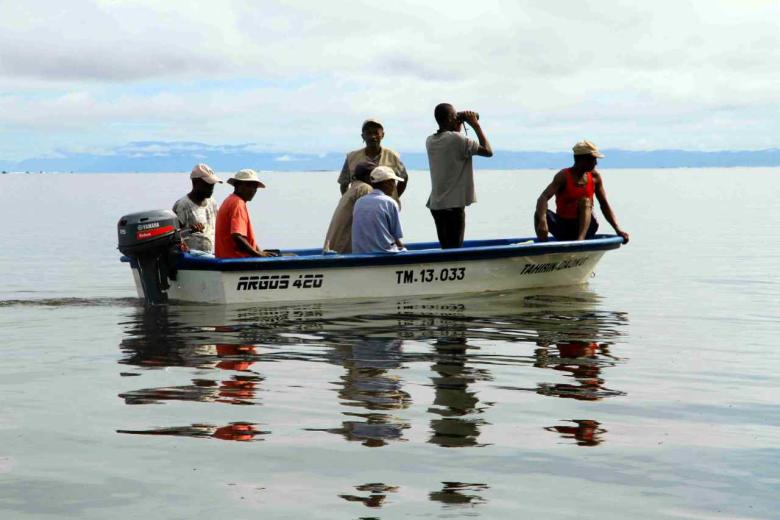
(567, 199)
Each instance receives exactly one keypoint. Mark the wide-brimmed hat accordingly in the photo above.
(202, 171)
(384, 173)
(586, 148)
(245, 175)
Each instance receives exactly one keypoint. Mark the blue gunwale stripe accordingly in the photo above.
(424, 252)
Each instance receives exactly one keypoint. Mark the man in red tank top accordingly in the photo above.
(574, 189)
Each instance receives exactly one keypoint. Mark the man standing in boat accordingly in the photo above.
(372, 133)
(376, 226)
(197, 211)
(452, 172)
(574, 189)
(235, 237)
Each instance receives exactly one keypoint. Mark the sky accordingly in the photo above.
(301, 76)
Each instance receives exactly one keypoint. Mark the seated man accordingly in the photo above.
(574, 189)
(339, 236)
(197, 211)
(376, 227)
(234, 235)
(372, 133)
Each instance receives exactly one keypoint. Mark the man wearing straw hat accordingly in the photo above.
(235, 237)
(574, 189)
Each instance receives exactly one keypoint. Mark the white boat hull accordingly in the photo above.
(435, 276)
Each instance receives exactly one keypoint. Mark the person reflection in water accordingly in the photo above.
(239, 389)
(454, 402)
(369, 385)
(585, 431)
(581, 360)
(458, 494)
(156, 339)
(235, 431)
(377, 494)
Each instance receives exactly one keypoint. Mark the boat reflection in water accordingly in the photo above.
(226, 354)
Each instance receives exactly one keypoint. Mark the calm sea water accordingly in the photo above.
(652, 392)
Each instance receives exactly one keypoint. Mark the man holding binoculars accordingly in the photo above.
(452, 173)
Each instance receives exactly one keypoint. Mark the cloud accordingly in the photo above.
(301, 77)
(107, 41)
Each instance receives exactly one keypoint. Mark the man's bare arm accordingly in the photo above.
(344, 177)
(541, 204)
(485, 149)
(606, 209)
(401, 186)
(243, 244)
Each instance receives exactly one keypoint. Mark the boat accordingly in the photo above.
(163, 273)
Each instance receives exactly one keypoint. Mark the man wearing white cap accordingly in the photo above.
(235, 236)
(376, 226)
(574, 189)
(372, 134)
(197, 211)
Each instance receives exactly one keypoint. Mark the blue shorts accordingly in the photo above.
(567, 229)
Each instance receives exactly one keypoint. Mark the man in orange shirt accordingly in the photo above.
(234, 235)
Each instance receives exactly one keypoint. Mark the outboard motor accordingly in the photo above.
(151, 239)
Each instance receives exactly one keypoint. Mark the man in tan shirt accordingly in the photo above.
(372, 133)
(339, 236)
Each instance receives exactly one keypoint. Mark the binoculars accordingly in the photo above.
(461, 116)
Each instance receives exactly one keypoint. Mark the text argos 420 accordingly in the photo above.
(280, 281)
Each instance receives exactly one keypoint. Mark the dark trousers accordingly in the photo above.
(450, 226)
(567, 229)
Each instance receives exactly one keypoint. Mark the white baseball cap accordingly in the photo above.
(372, 121)
(245, 175)
(383, 173)
(202, 171)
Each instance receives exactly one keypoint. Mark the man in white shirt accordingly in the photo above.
(452, 174)
(197, 211)
(376, 226)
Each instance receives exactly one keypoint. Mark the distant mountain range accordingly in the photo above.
(156, 156)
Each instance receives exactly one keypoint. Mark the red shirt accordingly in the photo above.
(567, 199)
(233, 217)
